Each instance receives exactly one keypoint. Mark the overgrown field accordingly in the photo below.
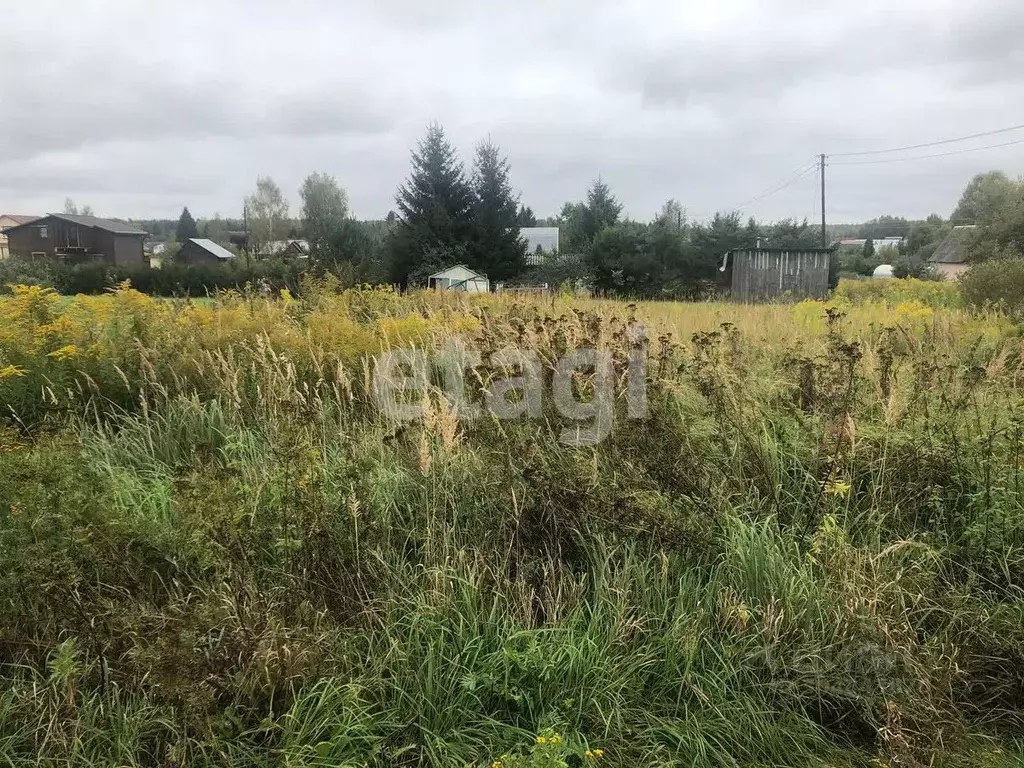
(219, 552)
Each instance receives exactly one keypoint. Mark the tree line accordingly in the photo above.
(446, 215)
(991, 203)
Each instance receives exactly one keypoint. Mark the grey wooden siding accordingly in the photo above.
(762, 275)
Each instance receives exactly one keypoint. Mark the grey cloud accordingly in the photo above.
(145, 104)
(710, 103)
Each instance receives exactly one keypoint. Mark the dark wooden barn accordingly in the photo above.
(76, 239)
(201, 251)
(764, 274)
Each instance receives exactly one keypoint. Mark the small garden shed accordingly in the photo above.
(763, 274)
(459, 278)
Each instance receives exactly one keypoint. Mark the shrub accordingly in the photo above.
(21, 272)
(173, 279)
(995, 283)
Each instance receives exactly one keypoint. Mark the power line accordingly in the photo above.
(803, 171)
(927, 157)
(929, 143)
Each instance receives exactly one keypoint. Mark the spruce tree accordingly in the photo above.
(435, 210)
(526, 217)
(187, 228)
(497, 249)
(601, 209)
(582, 222)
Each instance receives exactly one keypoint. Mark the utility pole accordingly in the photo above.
(824, 234)
(245, 227)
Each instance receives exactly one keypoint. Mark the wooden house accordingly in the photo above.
(77, 239)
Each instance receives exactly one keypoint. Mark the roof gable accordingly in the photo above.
(212, 248)
(953, 250)
(457, 272)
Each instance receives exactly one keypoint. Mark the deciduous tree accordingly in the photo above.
(324, 210)
(267, 213)
(984, 197)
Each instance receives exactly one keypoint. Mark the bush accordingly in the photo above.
(19, 272)
(995, 283)
(173, 279)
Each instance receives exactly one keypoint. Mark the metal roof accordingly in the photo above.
(116, 227)
(109, 225)
(878, 242)
(18, 219)
(951, 250)
(277, 246)
(452, 268)
(212, 248)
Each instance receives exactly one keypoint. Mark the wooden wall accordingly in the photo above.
(759, 275)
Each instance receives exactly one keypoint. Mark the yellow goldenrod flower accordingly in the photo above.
(838, 488)
(541, 740)
(10, 371)
(556, 739)
(64, 352)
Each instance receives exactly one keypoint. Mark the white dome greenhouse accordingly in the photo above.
(883, 271)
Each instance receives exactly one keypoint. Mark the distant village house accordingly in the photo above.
(287, 249)
(950, 258)
(200, 251)
(540, 241)
(858, 243)
(8, 220)
(76, 239)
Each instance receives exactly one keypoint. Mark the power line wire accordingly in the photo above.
(927, 157)
(778, 187)
(929, 143)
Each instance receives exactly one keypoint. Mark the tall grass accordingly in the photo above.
(810, 553)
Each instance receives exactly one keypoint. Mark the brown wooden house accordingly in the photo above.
(77, 239)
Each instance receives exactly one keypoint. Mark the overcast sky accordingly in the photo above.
(138, 107)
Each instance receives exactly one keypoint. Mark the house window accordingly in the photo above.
(44, 231)
(38, 255)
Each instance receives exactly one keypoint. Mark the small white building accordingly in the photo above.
(459, 278)
(540, 241)
(285, 249)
